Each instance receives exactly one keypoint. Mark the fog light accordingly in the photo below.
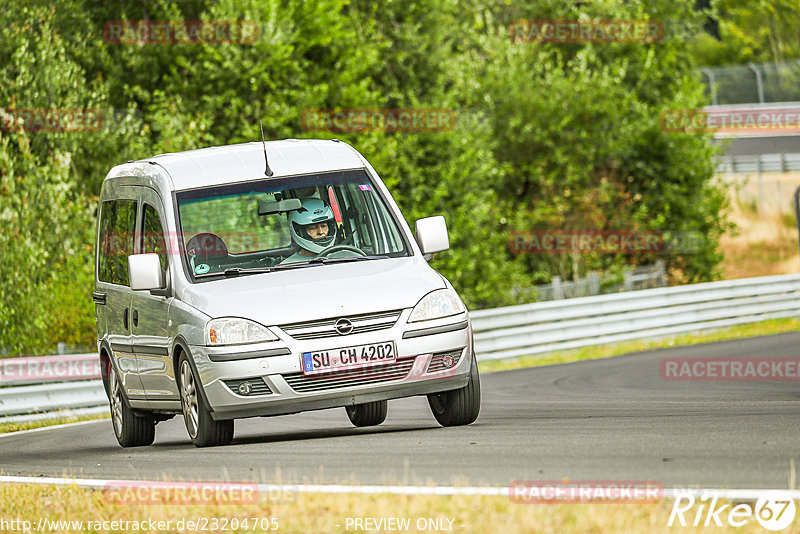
(245, 388)
(448, 361)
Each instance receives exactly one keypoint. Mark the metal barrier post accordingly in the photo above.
(759, 84)
(760, 185)
(558, 292)
(797, 212)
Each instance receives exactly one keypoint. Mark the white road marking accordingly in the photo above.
(93, 483)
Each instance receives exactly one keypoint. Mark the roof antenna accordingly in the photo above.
(267, 172)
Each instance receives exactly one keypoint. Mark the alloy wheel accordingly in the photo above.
(116, 403)
(189, 399)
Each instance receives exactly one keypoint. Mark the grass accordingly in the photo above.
(16, 427)
(309, 512)
(763, 328)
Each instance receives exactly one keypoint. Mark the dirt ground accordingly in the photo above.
(766, 239)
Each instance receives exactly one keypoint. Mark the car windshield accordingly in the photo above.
(285, 223)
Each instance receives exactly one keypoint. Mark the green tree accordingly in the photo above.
(45, 290)
(577, 132)
(749, 31)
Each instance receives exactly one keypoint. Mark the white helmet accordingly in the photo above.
(313, 211)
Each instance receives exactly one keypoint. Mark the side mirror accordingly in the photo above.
(145, 271)
(431, 235)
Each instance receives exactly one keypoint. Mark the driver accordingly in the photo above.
(313, 228)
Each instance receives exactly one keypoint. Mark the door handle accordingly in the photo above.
(135, 317)
(125, 319)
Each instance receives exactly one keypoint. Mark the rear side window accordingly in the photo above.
(153, 235)
(117, 223)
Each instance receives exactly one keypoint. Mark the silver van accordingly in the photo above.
(267, 279)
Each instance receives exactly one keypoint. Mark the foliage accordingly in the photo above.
(578, 135)
(750, 31)
(46, 225)
(548, 136)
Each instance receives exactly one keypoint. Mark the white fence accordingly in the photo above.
(643, 277)
(758, 163)
(508, 332)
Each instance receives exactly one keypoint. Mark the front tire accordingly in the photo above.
(131, 430)
(203, 430)
(368, 414)
(460, 406)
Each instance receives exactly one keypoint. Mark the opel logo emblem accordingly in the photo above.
(245, 388)
(343, 326)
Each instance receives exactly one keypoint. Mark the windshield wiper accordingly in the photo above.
(236, 271)
(321, 259)
(232, 272)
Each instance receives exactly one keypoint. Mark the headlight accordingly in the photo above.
(233, 331)
(437, 304)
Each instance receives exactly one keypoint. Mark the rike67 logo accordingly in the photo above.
(774, 510)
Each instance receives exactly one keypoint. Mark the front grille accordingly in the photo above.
(367, 322)
(436, 363)
(257, 386)
(349, 378)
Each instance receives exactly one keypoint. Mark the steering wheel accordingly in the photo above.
(206, 247)
(336, 248)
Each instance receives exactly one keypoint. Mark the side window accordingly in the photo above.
(386, 226)
(117, 223)
(364, 227)
(153, 235)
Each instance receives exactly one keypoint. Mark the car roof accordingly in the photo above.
(237, 163)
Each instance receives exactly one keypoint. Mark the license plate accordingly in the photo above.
(356, 357)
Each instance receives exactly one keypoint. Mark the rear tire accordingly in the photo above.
(460, 406)
(368, 414)
(131, 430)
(203, 430)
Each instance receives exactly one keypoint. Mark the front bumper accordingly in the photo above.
(418, 370)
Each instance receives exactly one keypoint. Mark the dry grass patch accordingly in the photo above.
(16, 427)
(764, 243)
(310, 512)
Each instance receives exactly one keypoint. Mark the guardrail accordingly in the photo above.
(758, 163)
(50, 387)
(507, 332)
(637, 315)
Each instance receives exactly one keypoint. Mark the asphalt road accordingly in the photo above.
(611, 419)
